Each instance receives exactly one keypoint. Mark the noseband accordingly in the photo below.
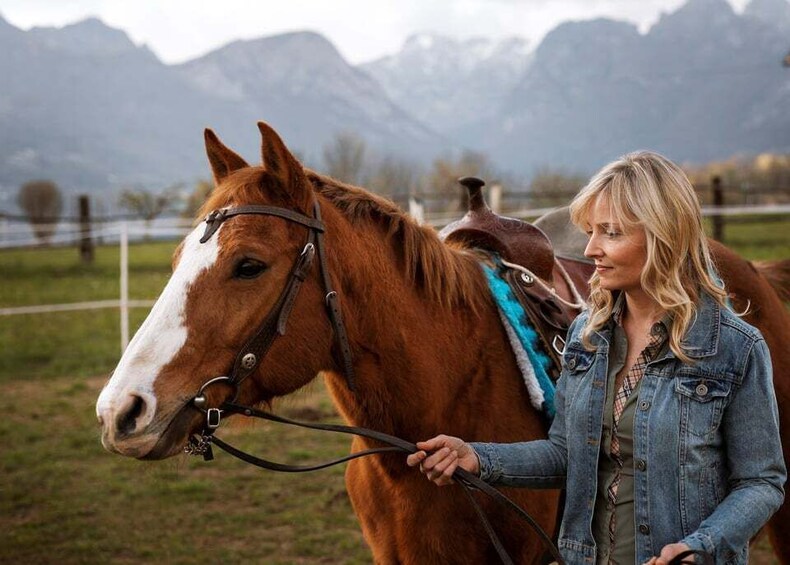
(275, 323)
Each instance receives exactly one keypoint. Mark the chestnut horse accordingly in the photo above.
(430, 353)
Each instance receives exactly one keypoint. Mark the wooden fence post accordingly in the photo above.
(417, 209)
(86, 240)
(718, 202)
(495, 197)
(124, 244)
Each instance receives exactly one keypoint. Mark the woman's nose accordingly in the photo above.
(593, 249)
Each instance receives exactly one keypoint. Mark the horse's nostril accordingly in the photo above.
(127, 420)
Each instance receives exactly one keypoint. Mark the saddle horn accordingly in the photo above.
(514, 240)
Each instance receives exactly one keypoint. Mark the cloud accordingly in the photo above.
(361, 29)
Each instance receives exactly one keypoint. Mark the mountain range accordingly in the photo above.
(84, 106)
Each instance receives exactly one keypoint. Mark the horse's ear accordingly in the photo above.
(282, 164)
(223, 160)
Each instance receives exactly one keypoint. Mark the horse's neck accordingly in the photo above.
(423, 368)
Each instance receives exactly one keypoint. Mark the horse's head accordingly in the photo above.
(220, 291)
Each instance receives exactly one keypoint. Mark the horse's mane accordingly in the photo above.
(445, 275)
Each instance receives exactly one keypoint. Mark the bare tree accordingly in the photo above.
(344, 158)
(446, 172)
(394, 178)
(762, 179)
(42, 203)
(196, 198)
(555, 187)
(148, 205)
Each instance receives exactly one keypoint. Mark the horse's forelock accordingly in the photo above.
(251, 185)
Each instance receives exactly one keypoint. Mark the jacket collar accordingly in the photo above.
(701, 338)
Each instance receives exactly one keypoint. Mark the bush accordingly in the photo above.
(42, 203)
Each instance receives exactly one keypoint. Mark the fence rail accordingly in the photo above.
(15, 235)
(74, 306)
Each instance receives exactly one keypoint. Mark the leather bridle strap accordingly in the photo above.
(333, 308)
(256, 347)
(253, 352)
(215, 218)
(467, 480)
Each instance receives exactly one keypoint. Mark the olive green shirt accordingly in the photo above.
(624, 549)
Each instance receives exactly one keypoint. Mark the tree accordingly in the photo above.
(394, 177)
(147, 204)
(554, 187)
(344, 158)
(196, 198)
(446, 172)
(42, 203)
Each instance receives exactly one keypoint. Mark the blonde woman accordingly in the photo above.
(666, 436)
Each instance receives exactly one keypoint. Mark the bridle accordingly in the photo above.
(276, 322)
(274, 325)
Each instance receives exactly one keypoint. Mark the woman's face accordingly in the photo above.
(619, 255)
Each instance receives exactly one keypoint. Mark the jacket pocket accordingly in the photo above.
(702, 402)
(576, 363)
(576, 359)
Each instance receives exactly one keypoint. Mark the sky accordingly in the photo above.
(362, 30)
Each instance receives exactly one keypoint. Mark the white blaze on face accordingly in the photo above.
(160, 337)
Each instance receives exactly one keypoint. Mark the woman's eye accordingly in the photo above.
(612, 233)
(249, 269)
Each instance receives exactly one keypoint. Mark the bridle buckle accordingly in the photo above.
(213, 418)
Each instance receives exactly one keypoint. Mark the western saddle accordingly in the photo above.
(550, 288)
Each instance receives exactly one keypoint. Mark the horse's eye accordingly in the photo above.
(248, 269)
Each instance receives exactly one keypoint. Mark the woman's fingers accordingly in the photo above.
(435, 443)
(442, 464)
(416, 458)
(438, 458)
(446, 476)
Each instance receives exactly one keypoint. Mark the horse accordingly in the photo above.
(430, 354)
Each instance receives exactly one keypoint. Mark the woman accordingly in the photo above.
(666, 435)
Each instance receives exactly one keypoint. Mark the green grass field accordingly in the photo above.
(64, 500)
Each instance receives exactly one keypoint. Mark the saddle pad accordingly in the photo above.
(532, 361)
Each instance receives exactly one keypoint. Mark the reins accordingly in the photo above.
(467, 480)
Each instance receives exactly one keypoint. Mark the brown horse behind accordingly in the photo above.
(430, 352)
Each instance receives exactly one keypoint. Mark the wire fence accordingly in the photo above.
(17, 234)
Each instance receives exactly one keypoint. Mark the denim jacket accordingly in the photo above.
(708, 462)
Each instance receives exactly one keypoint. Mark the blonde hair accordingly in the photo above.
(647, 190)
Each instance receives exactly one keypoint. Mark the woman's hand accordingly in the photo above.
(447, 454)
(668, 553)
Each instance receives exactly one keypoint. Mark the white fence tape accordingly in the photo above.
(441, 220)
(95, 305)
(121, 230)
